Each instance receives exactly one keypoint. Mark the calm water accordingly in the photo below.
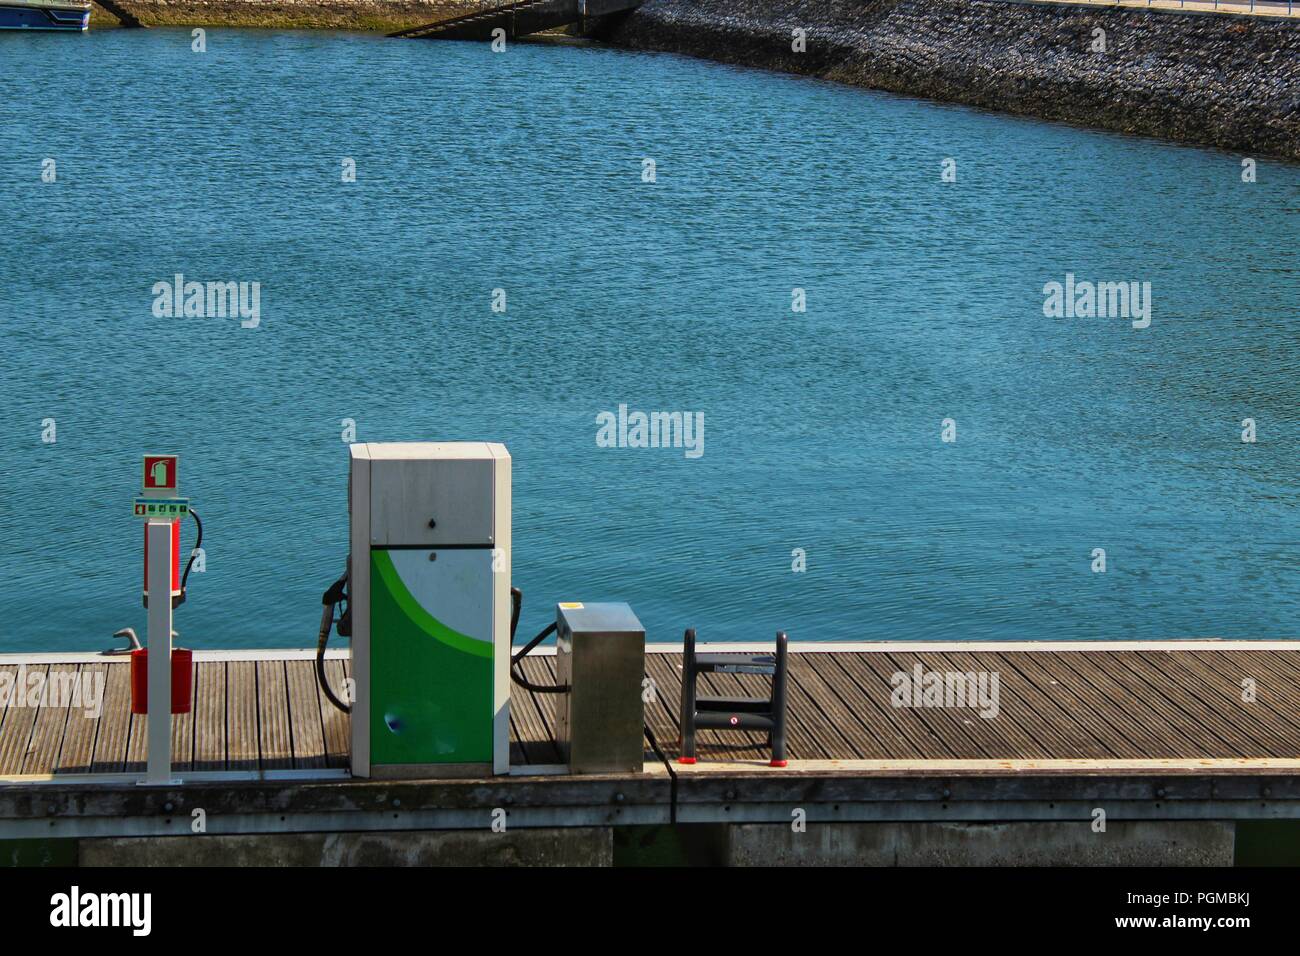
(522, 171)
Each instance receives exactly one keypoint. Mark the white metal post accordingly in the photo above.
(159, 642)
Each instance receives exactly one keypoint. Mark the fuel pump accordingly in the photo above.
(425, 601)
(427, 604)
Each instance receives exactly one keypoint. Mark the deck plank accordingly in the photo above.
(518, 755)
(114, 721)
(242, 734)
(210, 715)
(77, 751)
(274, 735)
(1274, 688)
(1276, 674)
(818, 734)
(661, 714)
(524, 709)
(8, 678)
(807, 732)
(1282, 662)
(337, 725)
(1088, 740)
(137, 744)
(20, 719)
(306, 723)
(42, 754)
(533, 734)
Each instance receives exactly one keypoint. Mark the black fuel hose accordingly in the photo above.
(517, 603)
(329, 600)
(198, 543)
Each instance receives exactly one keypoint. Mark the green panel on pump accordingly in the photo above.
(431, 656)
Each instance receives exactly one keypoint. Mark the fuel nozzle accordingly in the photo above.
(335, 594)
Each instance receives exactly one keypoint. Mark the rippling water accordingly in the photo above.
(522, 171)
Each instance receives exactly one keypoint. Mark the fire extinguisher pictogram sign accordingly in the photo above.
(160, 475)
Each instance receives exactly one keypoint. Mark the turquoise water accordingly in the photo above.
(523, 171)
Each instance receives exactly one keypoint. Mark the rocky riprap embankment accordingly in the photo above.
(1227, 81)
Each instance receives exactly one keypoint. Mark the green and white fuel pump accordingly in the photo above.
(429, 608)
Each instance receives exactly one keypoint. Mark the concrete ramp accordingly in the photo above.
(124, 16)
(516, 19)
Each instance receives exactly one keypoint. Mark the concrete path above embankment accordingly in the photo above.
(1249, 8)
(1246, 8)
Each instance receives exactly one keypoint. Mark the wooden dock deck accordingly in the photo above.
(1194, 730)
(260, 711)
(253, 711)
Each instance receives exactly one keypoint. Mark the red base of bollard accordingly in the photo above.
(182, 680)
(686, 760)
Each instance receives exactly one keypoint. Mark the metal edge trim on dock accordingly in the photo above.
(940, 767)
(181, 778)
(737, 767)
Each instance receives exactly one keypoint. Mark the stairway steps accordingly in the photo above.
(498, 15)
